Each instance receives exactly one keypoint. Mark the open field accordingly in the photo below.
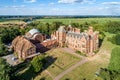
(12, 22)
(100, 60)
(79, 20)
(63, 61)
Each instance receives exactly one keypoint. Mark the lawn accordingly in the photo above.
(100, 60)
(63, 61)
(57, 62)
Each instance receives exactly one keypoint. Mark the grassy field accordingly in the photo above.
(101, 60)
(79, 20)
(57, 62)
(63, 61)
(12, 22)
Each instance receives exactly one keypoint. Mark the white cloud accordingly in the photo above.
(30, 1)
(111, 3)
(52, 3)
(69, 1)
(76, 1)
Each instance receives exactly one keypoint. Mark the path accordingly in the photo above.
(48, 73)
(70, 69)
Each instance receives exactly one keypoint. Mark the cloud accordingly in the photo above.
(111, 3)
(70, 1)
(75, 1)
(52, 3)
(113, 7)
(30, 1)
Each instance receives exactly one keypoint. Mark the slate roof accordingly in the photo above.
(79, 35)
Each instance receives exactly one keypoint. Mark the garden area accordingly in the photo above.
(100, 60)
(57, 61)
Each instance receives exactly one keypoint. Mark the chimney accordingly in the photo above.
(73, 30)
(90, 30)
(77, 30)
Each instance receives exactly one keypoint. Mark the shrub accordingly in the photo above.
(96, 51)
(115, 39)
(77, 51)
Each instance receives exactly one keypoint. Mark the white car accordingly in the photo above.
(14, 58)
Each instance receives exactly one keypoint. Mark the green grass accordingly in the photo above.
(79, 20)
(64, 60)
(101, 59)
(43, 76)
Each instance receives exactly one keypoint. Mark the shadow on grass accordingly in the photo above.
(49, 61)
(29, 74)
(100, 43)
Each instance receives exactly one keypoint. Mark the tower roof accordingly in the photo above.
(61, 29)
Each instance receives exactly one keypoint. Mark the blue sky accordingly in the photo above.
(59, 7)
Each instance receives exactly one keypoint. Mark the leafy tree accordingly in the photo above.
(56, 25)
(75, 25)
(4, 70)
(3, 50)
(115, 39)
(107, 74)
(113, 26)
(8, 34)
(37, 63)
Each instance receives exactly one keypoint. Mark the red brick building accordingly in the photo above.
(85, 42)
(34, 41)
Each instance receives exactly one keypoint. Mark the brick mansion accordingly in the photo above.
(33, 41)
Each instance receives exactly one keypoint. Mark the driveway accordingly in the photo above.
(10, 61)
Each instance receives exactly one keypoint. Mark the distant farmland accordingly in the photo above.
(78, 20)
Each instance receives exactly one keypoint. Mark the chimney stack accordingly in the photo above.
(77, 30)
(90, 30)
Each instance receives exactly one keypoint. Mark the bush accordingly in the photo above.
(107, 74)
(77, 51)
(4, 70)
(115, 39)
(96, 51)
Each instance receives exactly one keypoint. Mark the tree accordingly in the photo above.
(107, 74)
(8, 34)
(115, 39)
(4, 70)
(113, 26)
(3, 50)
(37, 63)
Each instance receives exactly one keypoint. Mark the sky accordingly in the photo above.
(59, 7)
